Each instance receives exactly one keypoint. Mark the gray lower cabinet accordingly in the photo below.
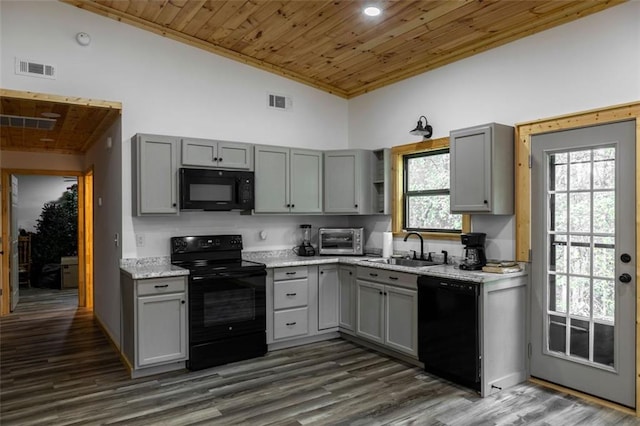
(288, 180)
(347, 314)
(482, 163)
(302, 304)
(387, 309)
(290, 293)
(328, 296)
(503, 334)
(154, 175)
(216, 154)
(154, 324)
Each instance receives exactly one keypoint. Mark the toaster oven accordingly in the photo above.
(341, 241)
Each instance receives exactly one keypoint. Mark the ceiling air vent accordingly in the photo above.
(27, 122)
(35, 69)
(279, 101)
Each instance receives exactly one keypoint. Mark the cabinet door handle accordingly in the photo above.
(356, 206)
(291, 294)
(220, 159)
(290, 273)
(321, 272)
(293, 206)
(393, 278)
(161, 286)
(486, 202)
(182, 301)
(380, 292)
(174, 205)
(215, 158)
(385, 293)
(291, 323)
(373, 275)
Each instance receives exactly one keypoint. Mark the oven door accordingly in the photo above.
(226, 305)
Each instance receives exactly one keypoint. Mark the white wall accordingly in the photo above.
(33, 192)
(587, 64)
(107, 166)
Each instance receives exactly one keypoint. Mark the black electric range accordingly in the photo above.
(227, 300)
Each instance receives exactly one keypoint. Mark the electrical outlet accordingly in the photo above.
(139, 240)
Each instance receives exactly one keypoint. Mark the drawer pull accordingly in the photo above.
(373, 275)
(291, 323)
(161, 286)
(290, 273)
(291, 294)
(393, 278)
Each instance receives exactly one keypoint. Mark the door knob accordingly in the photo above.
(625, 278)
(625, 258)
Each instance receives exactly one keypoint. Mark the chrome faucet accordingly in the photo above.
(421, 244)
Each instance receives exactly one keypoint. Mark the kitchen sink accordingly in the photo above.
(415, 263)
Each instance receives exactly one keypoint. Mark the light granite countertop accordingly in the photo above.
(151, 267)
(160, 267)
(280, 260)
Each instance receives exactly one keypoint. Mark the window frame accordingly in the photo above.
(399, 202)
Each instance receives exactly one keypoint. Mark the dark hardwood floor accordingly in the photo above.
(57, 368)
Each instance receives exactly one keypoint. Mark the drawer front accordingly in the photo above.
(290, 294)
(401, 279)
(386, 276)
(290, 273)
(161, 285)
(290, 323)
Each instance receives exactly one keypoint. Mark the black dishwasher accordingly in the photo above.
(448, 339)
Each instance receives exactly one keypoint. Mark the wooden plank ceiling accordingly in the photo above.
(332, 45)
(80, 124)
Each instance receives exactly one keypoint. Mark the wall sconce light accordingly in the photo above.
(426, 131)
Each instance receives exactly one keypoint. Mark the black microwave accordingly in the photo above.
(216, 190)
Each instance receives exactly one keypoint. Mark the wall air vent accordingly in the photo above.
(35, 69)
(27, 122)
(281, 102)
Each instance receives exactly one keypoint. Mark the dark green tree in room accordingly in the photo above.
(56, 230)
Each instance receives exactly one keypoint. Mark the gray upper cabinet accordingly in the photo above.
(348, 182)
(287, 180)
(217, 154)
(482, 177)
(154, 175)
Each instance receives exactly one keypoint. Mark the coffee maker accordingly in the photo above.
(305, 249)
(474, 257)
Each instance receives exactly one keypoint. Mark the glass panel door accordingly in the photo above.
(581, 248)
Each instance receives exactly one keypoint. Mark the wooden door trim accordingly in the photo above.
(5, 309)
(524, 132)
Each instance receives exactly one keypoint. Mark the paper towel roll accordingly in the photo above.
(387, 244)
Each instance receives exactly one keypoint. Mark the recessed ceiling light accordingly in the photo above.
(372, 11)
(50, 114)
